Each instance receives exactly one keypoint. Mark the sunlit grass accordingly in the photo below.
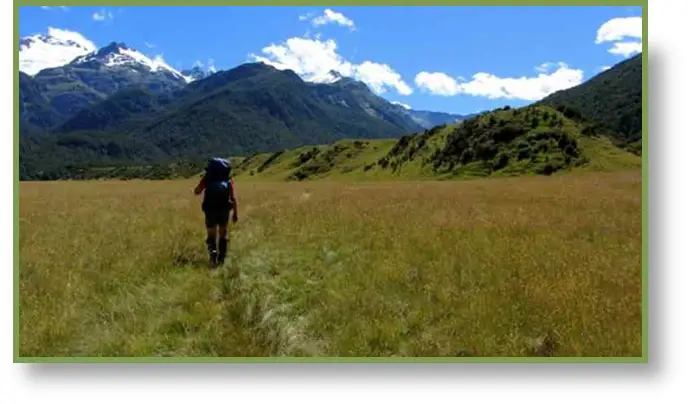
(498, 267)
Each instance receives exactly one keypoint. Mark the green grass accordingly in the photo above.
(504, 143)
(534, 140)
(531, 266)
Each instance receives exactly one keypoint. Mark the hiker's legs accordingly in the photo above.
(222, 236)
(222, 243)
(211, 235)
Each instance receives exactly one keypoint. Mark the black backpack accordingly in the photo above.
(218, 173)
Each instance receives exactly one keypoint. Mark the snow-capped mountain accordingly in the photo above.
(401, 104)
(117, 54)
(96, 75)
(56, 48)
(66, 73)
(329, 78)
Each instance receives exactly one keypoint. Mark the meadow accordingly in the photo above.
(524, 266)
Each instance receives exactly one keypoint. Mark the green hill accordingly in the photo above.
(612, 100)
(124, 111)
(251, 108)
(34, 108)
(536, 140)
(257, 108)
(268, 110)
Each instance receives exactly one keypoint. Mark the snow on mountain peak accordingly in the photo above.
(56, 48)
(401, 104)
(329, 78)
(119, 54)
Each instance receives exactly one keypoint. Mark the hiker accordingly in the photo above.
(218, 200)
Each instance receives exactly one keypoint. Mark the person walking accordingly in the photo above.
(219, 200)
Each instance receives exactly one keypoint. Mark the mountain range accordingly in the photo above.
(114, 106)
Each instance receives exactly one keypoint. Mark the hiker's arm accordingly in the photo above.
(233, 199)
(201, 186)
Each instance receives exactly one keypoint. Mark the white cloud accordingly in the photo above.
(149, 45)
(401, 104)
(604, 68)
(314, 59)
(618, 29)
(378, 76)
(438, 83)
(305, 17)
(63, 8)
(211, 66)
(333, 17)
(103, 15)
(545, 67)
(493, 87)
(626, 49)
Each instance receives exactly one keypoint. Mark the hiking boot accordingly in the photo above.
(213, 259)
(212, 251)
(222, 250)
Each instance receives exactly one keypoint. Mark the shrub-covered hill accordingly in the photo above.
(612, 99)
(535, 140)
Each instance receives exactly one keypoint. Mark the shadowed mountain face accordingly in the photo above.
(251, 108)
(93, 77)
(116, 106)
(611, 100)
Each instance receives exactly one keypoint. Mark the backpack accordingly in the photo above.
(218, 189)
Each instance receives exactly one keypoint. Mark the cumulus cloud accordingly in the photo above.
(378, 76)
(103, 15)
(333, 17)
(625, 33)
(438, 83)
(626, 49)
(314, 59)
(620, 28)
(494, 87)
(211, 66)
(604, 68)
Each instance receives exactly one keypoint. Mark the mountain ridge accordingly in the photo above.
(611, 100)
(116, 106)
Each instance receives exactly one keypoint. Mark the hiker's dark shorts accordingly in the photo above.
(217, 211)
(217, 217)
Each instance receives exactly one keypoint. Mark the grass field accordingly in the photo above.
(532, 266)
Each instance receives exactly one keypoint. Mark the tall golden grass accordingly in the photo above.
(499, 267)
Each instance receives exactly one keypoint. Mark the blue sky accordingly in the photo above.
(452, 59)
